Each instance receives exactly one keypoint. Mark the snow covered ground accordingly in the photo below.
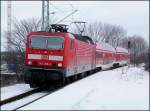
(21, 102)
(10, 91)
(119, 89)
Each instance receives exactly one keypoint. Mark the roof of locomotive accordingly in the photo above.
(120, 49)
(105, 46)
(83, 38)
(47, 33)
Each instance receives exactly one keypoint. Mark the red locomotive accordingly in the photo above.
(56, 56)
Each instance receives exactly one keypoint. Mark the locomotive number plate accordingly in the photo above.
(44, 56)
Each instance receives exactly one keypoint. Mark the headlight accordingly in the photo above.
(29, 62)
(59, 64)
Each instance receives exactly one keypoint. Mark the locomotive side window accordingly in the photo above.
(72, 44)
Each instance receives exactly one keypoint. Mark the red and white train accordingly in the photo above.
(59, 56)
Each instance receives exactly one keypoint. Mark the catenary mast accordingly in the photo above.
(8, 23)
(45, 14)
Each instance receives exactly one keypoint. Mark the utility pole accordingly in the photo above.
(45, 14)
(8, 23)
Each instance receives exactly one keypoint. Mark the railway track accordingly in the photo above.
(17, 97)
(32, 101)
(21, 97)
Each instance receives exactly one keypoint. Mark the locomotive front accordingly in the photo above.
(44, 58)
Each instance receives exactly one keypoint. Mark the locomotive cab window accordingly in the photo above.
(72, 44)
(37, 42)
(55, 43)
(41, 42)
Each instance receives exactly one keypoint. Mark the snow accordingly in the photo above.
(120, 49)
(105, 46)
(119, 89)
(7, 73)
(21, 102)
(4, 70)
(10, 91)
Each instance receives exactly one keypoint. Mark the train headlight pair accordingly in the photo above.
(59, 64)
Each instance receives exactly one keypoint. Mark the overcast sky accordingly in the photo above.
(131, 15)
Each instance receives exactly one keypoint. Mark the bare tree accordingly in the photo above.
(20, 31)
(114, 34)
(138, 44)
(102, 32)
(95, 31)
(139, 48)
(17, 41)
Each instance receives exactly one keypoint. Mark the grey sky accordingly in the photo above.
(132, 15)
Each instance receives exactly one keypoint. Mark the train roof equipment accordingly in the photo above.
(57, 28)
(64, 29)
(83, 38)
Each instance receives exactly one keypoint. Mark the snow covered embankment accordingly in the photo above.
(119, 89)
(11, 91)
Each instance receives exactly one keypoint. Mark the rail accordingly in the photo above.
(20, 96)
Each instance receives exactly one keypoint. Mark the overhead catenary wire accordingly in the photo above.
(66, 16)
(82, 29)
(64, 12)
(56, 8)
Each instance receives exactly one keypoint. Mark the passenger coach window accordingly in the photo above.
(72, 44)
(99, 55)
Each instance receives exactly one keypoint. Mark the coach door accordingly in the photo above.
(93, 57)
